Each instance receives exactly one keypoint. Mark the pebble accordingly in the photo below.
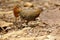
(28, 4)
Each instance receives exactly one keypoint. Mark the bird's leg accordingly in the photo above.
(15, 23)
(23, 23)
(27, 22)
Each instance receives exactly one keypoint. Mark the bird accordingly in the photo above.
(27, 13)
(30, 13)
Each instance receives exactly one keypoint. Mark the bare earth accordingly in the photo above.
(45, 27)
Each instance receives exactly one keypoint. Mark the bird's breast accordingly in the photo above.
(29, 13)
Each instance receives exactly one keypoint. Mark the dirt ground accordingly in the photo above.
(45, 27)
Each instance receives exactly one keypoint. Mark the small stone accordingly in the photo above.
(28, 4)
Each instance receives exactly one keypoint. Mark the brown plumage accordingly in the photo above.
(30, 13)
(27, 13)
(16, 10)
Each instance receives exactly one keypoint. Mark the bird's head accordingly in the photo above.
(16, 10)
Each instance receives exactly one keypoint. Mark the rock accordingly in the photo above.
(28, 4)
(5, 24)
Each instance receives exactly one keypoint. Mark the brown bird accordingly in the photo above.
(27, 13)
